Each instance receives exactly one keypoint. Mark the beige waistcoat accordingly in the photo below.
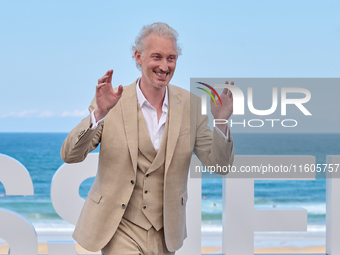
(145, 207)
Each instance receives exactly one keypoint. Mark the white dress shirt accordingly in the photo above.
(155, 127)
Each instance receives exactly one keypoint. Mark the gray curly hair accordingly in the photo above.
(159, 29)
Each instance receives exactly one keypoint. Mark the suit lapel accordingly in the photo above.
(129, 112)
(175, 119)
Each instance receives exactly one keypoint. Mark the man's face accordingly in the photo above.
(158, 60)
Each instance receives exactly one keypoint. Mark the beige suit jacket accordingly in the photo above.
(118, 134)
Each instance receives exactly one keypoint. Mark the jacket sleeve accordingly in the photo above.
(81, 140)
(211, 148)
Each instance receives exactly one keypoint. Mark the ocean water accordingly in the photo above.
(40, 154)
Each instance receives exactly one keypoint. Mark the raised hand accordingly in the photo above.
(225, 110)
(105, 96)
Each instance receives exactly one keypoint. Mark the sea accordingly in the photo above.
(40, 154)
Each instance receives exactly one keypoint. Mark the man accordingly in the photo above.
(148, 132)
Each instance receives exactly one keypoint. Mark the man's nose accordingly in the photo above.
(164, 65)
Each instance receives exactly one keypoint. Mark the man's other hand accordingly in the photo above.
(225, 110)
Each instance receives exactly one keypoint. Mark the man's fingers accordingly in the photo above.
(227, 91)
(103, 79)
(107, 77)
(120, 91)
(230, 93)
(110, 75)
(227, 82)
(99, 86)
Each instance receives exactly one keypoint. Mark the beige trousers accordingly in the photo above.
(131, 239)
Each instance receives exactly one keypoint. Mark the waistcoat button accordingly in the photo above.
(123, 206)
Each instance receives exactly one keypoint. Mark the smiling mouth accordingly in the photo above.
(162, 74)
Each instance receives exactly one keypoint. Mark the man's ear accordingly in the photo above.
(138, 57)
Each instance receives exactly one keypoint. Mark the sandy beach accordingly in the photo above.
(211, 244)
(205, 250)
(42, 249)
(274, 250)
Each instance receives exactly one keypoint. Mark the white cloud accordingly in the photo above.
(75, 113)
(46, 114)
(25, 113)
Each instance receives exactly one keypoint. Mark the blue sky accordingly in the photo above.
(53, 52)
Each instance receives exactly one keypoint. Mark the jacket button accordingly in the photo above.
(147, 175)
(132, 182)
(123, 206)
(146, 191)
(144, 207)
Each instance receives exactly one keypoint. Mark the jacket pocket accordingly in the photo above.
(184, 198)
(95, 196)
